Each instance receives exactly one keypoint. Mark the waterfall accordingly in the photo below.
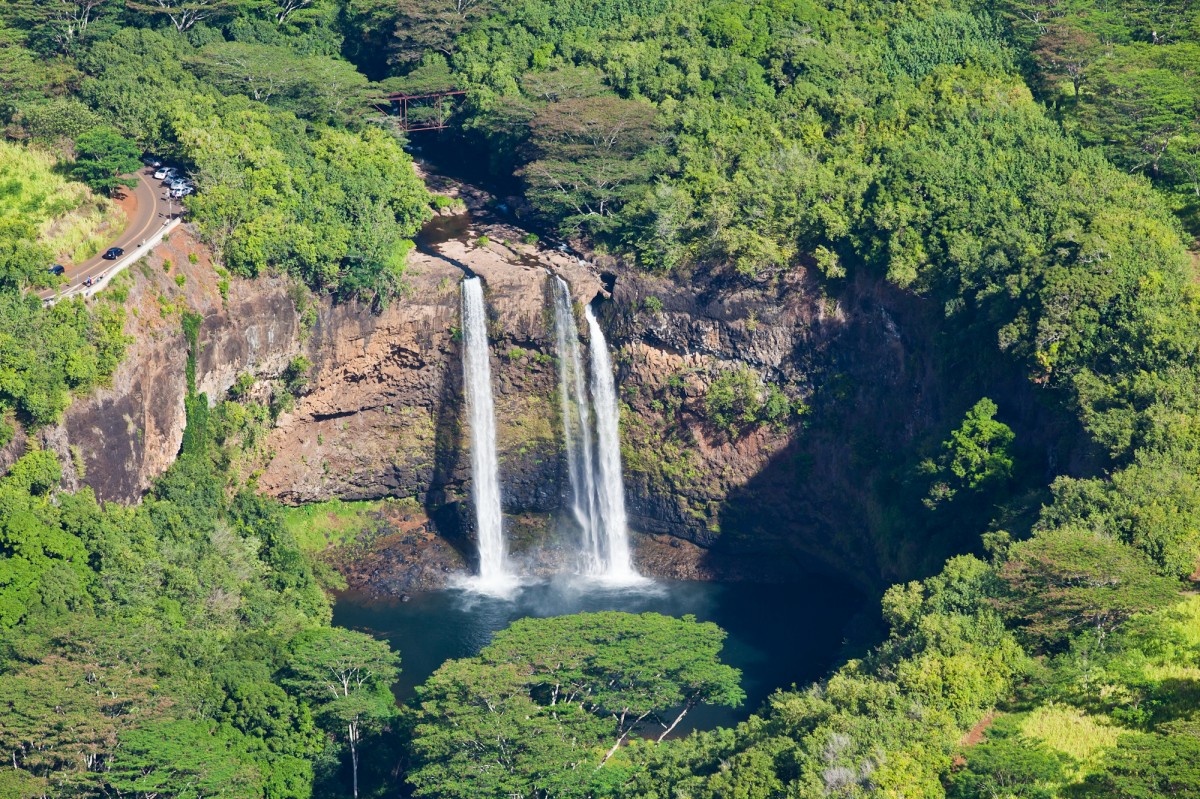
(577, 428)
(611, 486)
(494, 576)
(594, 465)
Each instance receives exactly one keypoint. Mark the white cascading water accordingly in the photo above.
(610, 495)
(577, 429)
(494, 576)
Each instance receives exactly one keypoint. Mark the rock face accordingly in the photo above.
(861, 390)
(382, 417)
(120, 438)
(726, 477)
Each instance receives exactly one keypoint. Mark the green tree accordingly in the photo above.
(1153, 504)
(292, 10)
(347, 678)
(551, 701)
(314, 86)
(1006, 764)
(433, 25)
(633, 666)
(481, 733)
(1149, 766)
(591, 154)
(23, 261)
(58, 26)
(1069, 580)
(337, 209)
(977, 456)
(1065, 52)
(738, 400)
(184, 14)
(182, 759)
(102, 157)
(1142, 110)
(66, 700)
(43, 569)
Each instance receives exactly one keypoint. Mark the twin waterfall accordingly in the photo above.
(594, 464)
(591, 437)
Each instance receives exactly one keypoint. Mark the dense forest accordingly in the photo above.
(1030, 167)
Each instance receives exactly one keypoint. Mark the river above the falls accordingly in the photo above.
(778, 634)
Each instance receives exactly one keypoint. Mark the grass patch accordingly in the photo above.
(71, 221)
(1172, 671)
(324, 525)
(1071, 731)
(1189, 620)
(1180, 663)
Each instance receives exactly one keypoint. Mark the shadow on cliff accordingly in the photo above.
(446, 501)
(846, 493)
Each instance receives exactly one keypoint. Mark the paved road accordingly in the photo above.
(151, 213)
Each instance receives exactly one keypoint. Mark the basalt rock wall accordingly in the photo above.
(848, 386)
(121, 437)
(382, 413)
(796, 483)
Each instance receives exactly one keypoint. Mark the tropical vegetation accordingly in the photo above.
(1027, 167)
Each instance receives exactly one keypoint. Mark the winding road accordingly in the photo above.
(151, 213)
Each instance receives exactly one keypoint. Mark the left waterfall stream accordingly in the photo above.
(495, 577)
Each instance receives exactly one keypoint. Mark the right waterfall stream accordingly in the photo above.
(593, 462)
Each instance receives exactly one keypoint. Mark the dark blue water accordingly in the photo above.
(778, 634)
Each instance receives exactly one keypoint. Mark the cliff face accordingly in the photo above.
(868, 387)
(383, 414)
(120, 438)
(767, 496)
(769, 484)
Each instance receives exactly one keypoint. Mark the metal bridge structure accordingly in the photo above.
(428, 111)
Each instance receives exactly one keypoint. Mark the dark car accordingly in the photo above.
(57, 269)
(113, 253)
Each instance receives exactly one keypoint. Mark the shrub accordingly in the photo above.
(295, 376)
(737, 401)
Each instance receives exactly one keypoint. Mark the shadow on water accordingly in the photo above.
(778, 634)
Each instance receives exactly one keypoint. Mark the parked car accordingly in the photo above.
(151, 161)
(182, 191)
(113, 253)
(57, 269)
(162, 172)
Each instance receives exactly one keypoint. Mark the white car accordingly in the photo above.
(164, 172)
(181, 191)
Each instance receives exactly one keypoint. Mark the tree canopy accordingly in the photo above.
(549, 702)
(1028, 169)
